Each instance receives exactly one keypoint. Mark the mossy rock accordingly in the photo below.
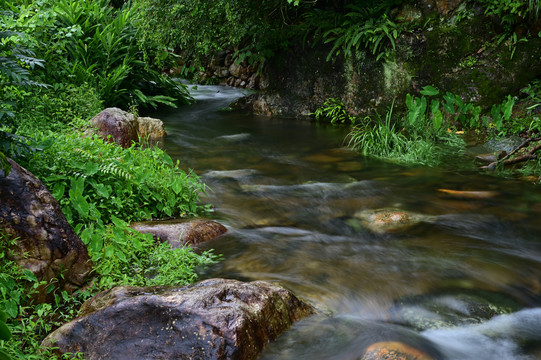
(451, 308)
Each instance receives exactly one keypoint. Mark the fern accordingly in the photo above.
(115, 170)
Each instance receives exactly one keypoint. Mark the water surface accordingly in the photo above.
(288, 190)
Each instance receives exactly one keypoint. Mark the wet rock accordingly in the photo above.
(507, 144)
(214, 319)
(451, 308)
(150, 128)
(465, 194)
(388, 220)
(393, 350)
(46, 243)
(487, 158)
(181, 232)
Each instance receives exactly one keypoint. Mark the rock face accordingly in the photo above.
(124, 128)
(29, 212)
(453, 55)
(181, 232)
(214, 319)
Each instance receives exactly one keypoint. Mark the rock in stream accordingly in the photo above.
(214, 319)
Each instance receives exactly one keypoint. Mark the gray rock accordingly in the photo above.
(46, 243)
(451, 308)
(214, 319)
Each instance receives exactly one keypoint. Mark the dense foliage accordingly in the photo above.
(61, 62)
(198, 30)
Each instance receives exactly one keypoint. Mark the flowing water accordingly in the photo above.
(288, 191)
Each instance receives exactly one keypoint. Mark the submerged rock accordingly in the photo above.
(393, 350)
(451, 308)
(181, 232)
(388, 220)
(466, 194)
(46, 243)
(214, 319)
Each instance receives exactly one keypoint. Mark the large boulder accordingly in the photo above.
(181, 232)
(124, 128)
(214, 319)
(46, 243)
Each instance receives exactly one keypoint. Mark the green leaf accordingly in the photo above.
(11, 308)
(101, 190)
(29, 275)
(58, 190)
(3, 316)
(4, 355)
(167, 159)
(507, 108)
(429, 91)
(5, 333)
(177, 186)
(90, 168)
(80, 204)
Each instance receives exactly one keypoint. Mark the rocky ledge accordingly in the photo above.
(214, 319)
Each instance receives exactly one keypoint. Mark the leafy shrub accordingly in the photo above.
(417, 137)
(95, 180)
(123, 256)
(333, 110)
(200, 29)
(510, 11)
(90, 42)
(376, 35)
(59, 108)
(15, 62)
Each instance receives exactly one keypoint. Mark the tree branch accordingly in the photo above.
(525, 157)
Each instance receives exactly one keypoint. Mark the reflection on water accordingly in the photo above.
(289, 192)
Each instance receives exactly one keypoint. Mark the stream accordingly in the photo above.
(288, 191)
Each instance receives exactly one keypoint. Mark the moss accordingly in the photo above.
(397, 78)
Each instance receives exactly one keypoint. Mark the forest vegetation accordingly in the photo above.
(61, 62)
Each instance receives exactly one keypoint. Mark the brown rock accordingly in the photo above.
(391, 350)
(51, 248)
(181, 232)
(235, 69)
(150, 128)
(469, 194)
(389, 220)
(116, 125)
(214, 319)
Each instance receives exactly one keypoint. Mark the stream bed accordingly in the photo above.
(289, 192)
